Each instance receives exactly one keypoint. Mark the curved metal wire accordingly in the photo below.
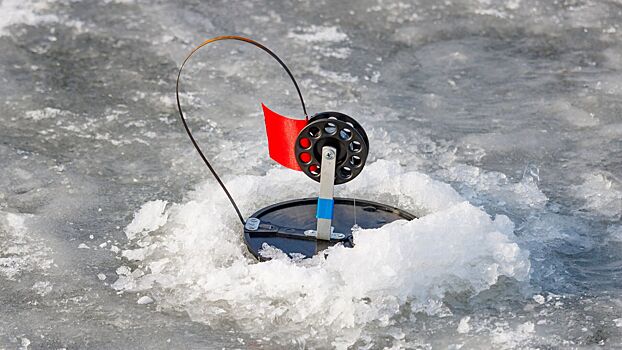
(183, 119)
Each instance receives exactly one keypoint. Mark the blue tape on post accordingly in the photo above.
(325, 208)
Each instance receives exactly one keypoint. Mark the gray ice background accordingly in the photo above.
(485, 95)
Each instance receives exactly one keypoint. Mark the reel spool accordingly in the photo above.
(291, 226)
(342, 133)
(330, 148)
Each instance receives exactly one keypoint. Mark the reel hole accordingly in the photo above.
(356, 161)
(355, 146)
(345, 134)
(345, 172)
(314, 132)
(305, 143)
(330, 128)
(305, 157)
(314, 169)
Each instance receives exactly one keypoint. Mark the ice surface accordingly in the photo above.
(19, 252)
(602, 195)
(453, 248)
(318, 34)
(504, 115)
(23, 12)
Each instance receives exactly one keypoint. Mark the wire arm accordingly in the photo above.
(187, 128)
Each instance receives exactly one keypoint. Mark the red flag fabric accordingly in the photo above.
(282, 133)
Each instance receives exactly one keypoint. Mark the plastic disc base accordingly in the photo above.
(289, 226)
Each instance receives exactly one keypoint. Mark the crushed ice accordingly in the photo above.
(191, 256)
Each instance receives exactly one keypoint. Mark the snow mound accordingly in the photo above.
(196, 261)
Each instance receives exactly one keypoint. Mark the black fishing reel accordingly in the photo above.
(330, 139)
(340, 132)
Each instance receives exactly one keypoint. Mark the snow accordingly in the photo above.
(463, 326)
(150, 216)
(498, 123)
(144, 300)
(454, 246)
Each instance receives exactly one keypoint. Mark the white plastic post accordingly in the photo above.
(325, 200)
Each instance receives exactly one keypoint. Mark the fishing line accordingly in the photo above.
(354, 206)
(187, 128)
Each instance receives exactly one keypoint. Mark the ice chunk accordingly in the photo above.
(144, 300)
(602, 195)
(25, 342)
(123, 271)
(150, 217)
(463, 326)
(136, 254)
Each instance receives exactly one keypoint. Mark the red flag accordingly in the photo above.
(282, 133)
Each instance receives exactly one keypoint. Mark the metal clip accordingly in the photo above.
(333, 234)
(252, 224)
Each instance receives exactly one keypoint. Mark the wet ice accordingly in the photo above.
(501, 117)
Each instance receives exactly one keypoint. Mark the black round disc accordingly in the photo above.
(283, 225)
(336, 130)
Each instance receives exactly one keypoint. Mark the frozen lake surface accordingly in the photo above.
(498, 123)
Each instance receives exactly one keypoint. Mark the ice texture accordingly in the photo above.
(512, 106)
(150, 216)
(144, 300)
(318, 34)
(453, 248)
(19, 251)
(463, 326)
(23, 12)
(602, 195)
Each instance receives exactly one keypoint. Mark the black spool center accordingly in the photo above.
(336, 130)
